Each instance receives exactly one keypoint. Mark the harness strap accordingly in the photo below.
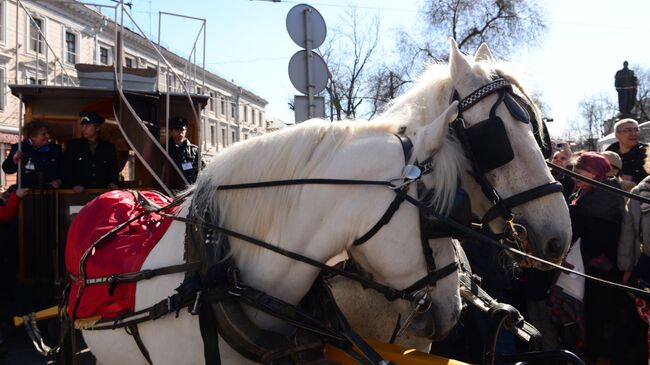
(113, 280)
(133, 331)
(482, 92)
(519, 199)
(385, 218)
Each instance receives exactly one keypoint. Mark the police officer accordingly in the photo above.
(39, 159)
(184, 153)
(90, 161)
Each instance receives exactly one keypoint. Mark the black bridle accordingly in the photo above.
(482, 155)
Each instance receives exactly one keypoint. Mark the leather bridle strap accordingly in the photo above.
(506, 204)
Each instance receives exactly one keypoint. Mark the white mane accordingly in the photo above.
(298, 152)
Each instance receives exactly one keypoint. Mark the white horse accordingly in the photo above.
(320, 221)
(363, 307)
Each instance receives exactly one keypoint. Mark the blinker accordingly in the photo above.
(489, 143)
(516, 109)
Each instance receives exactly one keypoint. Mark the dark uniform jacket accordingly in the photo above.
(39, 166)
(186, 157)
(632, 161)
(89, 170)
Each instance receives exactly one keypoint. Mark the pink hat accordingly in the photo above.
(595, 163)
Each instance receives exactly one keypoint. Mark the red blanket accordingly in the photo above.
(124, 252)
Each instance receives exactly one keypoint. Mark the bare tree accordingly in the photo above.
(642, 107)
(594, 111)
(349, 56)
(504, 25)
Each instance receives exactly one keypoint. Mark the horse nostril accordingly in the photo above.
(555, 249)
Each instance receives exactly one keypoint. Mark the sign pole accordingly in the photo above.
(310, 84)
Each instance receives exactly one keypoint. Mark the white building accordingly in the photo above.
(72, 33)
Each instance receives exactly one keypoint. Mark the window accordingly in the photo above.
(245, 114)
(253, 116)
(213, 135)
(3, 13)
(35, 39)
(211, 101)
(103, 55)
(259, 118)
(128, 62)
(232, 134)
(245, 136)
(198, 90)
(232, 109)
(223, 105)
(223, 137)
(70, 48)
(170, 81)
(3, 83)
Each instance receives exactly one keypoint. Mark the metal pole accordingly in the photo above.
(202, 133)
(158, 58)
(20, 139)
(310, 86)
(17, 46)
(120, 50)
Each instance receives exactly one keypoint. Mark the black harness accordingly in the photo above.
(208, 291)
(487, 146)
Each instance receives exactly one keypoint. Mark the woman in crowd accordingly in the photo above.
(40, 160)
(596, 218)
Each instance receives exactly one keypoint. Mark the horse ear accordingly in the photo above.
(483, 53)
(434, 133)
(458, 65)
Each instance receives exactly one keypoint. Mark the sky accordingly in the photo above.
(247, 42)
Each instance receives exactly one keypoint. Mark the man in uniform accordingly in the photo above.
(184, 153)
(632, 151)
(90, 161)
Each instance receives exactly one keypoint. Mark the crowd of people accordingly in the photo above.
(601, 324)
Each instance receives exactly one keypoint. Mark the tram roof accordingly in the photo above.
(34, 92)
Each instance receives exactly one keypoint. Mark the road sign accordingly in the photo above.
(301, 108)
(305, 23)
(298, 72)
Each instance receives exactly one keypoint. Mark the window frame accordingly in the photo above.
(28, 34)
(77, 40)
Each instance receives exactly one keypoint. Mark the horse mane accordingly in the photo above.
(291, 153)
(298, 152)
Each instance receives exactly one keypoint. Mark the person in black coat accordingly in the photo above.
(184, 153)
(596, 217)
(39, 160)
(90, 161)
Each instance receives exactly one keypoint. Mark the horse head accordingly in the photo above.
(503, 137)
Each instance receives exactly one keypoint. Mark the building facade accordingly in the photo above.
(41, 41)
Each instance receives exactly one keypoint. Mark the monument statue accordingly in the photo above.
(626, 85)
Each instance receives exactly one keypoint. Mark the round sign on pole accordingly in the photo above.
(298, 72)
(296, 26)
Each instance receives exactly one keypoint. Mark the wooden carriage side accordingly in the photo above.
(45, 215)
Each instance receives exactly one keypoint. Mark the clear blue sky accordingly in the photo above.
(247, 41)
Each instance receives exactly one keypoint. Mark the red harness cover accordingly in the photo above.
(123, 252)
